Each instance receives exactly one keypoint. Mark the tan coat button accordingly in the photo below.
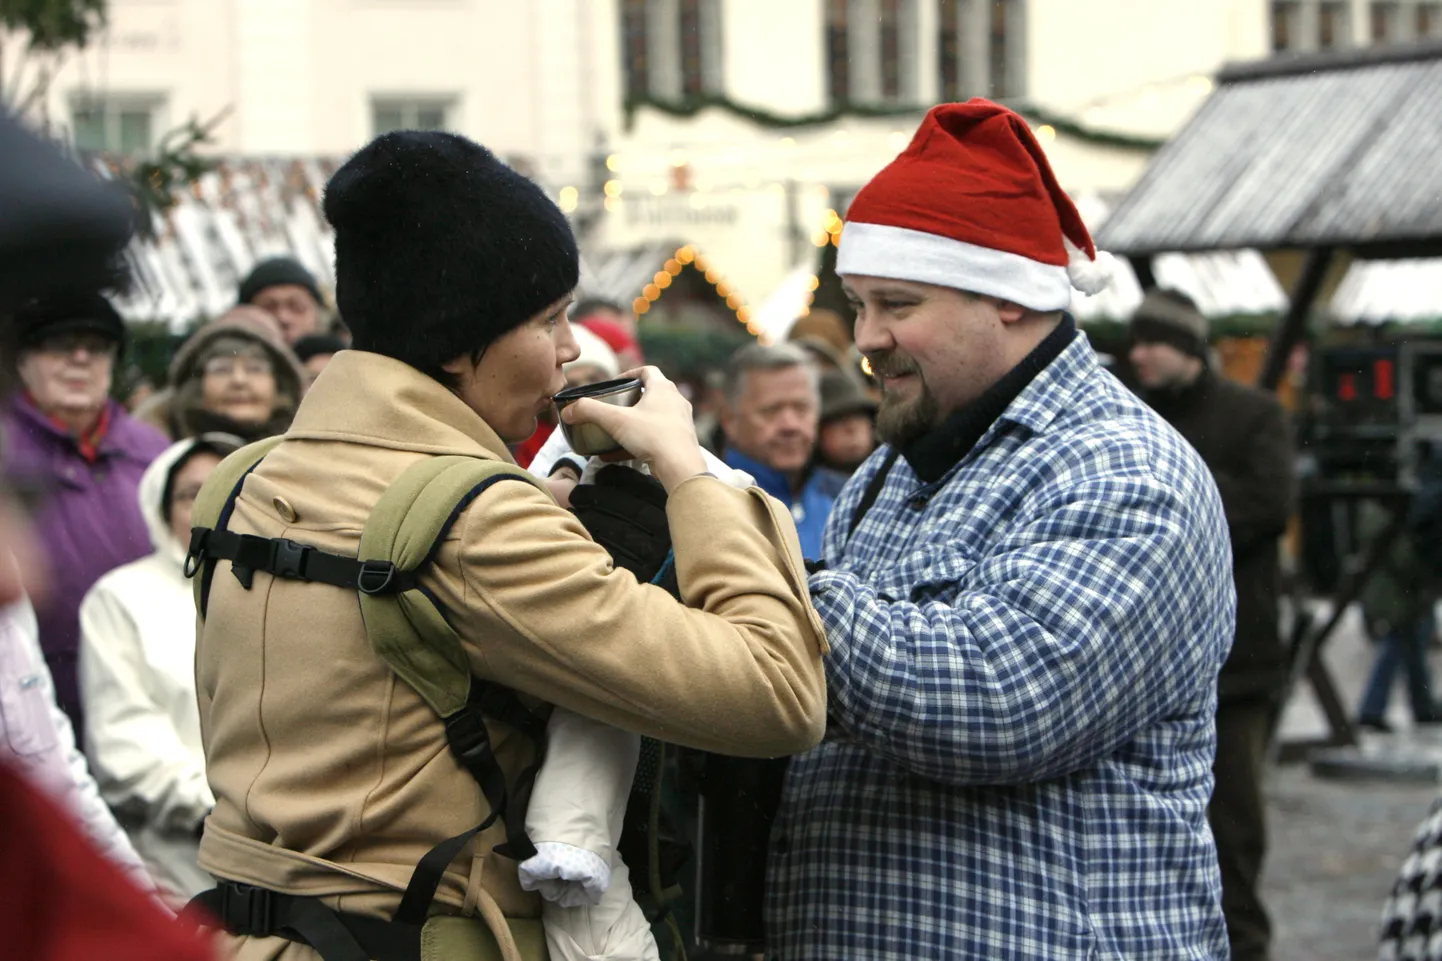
(283, 508)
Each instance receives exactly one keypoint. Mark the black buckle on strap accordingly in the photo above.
(287, 559)
(195, 554)
(375, 577)
(247, 910)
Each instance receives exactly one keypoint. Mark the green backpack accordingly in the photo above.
(402, 535)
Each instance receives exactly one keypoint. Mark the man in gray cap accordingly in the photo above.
(1242, 435)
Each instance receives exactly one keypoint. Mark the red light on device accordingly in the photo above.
(1347, 387)
(1382, 380)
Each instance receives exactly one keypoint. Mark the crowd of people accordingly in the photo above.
(1015, 625)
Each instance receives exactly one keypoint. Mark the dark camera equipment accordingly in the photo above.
(739, 800)
(1372, 427)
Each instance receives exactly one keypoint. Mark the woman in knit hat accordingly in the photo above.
(332, 778)
(235, 376)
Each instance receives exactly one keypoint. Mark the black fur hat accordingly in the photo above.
(440, 248)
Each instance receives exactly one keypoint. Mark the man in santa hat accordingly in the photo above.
(1027, 591)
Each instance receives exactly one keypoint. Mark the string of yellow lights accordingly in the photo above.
(830, 231)
(687, 255)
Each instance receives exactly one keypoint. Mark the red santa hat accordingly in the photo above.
(973, 204)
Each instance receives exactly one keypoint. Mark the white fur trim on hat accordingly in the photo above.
(595, 352)
(1087, 275)
(877, 250)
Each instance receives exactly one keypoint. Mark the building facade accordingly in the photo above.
(734, 128)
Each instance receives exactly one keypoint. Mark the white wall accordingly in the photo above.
(539, 81)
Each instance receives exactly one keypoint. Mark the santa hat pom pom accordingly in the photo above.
(1090, 276)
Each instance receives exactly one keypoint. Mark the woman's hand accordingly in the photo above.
(658, 430)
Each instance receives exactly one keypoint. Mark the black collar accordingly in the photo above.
(939, 451)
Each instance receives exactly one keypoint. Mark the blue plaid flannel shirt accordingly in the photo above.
(1023, 673)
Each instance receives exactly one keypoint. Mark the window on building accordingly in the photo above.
(1333, 25)
(409, 113)
(948, 49)
(981, 49)
(1286, 25)
(120, 125)
(1386, 22)
(838, 50)
(671, 49)
(634, 37)
(1429, 20)
(1005, 29)
(700, 23)
(892, 55)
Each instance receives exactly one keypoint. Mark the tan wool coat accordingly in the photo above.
(332, 777)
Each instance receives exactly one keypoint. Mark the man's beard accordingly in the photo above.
(899, 421)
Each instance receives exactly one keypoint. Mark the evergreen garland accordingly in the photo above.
(765, 118)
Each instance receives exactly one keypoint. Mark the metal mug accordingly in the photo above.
(589, 440)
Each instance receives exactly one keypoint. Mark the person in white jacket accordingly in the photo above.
(36, 738)
(137, 678)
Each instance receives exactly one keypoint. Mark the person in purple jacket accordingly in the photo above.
(80, 455)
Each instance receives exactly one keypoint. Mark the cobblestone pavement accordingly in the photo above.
(1335, 849)
(1336, 845)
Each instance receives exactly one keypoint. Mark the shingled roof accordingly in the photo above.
(1300, 152)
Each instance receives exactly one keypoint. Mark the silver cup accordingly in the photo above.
(589, 440)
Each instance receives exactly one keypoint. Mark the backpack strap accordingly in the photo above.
(407, 527)
(408, 629)
(212, 510)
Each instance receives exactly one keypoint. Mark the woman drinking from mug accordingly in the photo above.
(332, 777)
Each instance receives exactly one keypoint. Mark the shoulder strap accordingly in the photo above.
(873, 491)
(409, 631)
(407, 527)
(216, 502)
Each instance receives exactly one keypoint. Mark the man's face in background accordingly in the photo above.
(775, 418)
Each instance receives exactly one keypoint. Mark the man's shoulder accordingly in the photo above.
(1112, 430)
(1243, 399)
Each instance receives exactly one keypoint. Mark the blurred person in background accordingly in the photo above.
(137, 678)
(826, 329)
(283, 288)
(770, 419)
(235, 376)
(621, 338)
(1243, 437)
(315, 351)
(82, 454)
(60, 899)
(847, 434)
(135, 388)
(1397, 607)
(606, 311)
(595, 363)
(37, 739)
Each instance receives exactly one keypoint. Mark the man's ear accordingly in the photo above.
(1009, 312)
